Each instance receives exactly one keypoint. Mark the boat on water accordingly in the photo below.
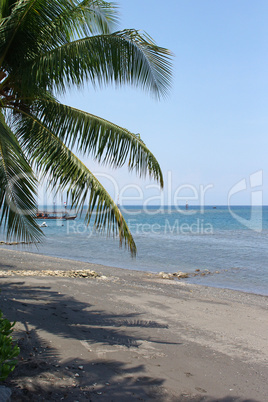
(55, 215)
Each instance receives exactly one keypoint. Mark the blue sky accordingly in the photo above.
(212, 129)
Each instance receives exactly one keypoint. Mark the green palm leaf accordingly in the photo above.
(50, 24)
(17, 189)
(64, 170)
(105, 141)
(123, 57)
(45, 48)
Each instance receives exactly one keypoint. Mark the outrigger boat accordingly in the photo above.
(64, 215)
(58, 215)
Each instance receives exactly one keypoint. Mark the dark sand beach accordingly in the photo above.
(131, 336)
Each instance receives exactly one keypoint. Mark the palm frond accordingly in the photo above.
(17, 189)
(105, 141)
(47, 47)
(94, 16)
(37, 26)
(122, 57)
(65, 171)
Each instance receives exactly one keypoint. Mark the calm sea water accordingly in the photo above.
(235, 243)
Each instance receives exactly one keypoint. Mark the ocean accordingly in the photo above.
(232, 241)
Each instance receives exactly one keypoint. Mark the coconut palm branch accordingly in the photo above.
(17, 189)
(90, 135)
(47, 47)
(127, 56)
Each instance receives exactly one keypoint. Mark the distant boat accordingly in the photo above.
(55, 215)
(68, 217)
(186, 206)
(64, 215)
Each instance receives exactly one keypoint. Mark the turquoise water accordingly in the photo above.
(233, 242)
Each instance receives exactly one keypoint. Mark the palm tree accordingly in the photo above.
(46, 47)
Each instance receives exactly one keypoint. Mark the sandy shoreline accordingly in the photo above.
(132, 336)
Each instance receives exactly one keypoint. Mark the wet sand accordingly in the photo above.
(131, 336)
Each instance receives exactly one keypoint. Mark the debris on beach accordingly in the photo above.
(79, 273)
(16, 243)
(184, 275)
(165, 275)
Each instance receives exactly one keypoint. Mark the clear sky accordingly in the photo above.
(212, 129)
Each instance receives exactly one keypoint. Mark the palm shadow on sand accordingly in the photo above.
(40, 376)
(40, 308)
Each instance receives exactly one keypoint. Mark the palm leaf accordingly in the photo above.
(17, 189)
(65, 171)
(33, 27)
(45, 48)
(92, 16)
(123, 57)
(105, 141)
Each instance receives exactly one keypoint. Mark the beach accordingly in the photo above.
(131, 335)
